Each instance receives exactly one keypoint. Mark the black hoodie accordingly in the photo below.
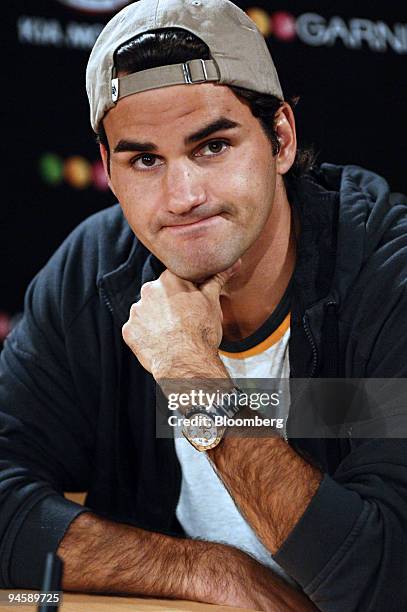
(77, 408)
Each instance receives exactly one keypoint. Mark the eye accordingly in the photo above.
(215, 147)
(146, 161)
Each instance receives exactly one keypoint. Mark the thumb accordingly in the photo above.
(213, 286)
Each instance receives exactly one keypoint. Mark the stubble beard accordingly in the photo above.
(199, 266)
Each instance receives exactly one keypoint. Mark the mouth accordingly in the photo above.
(194, 225)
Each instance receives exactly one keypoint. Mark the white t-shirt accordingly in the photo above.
(205, 509)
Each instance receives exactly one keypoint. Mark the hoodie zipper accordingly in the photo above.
(314, 357)
(311, 340)
(329, 305)
(106, 299)
(312, 343)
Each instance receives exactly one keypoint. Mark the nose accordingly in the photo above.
(184, 188)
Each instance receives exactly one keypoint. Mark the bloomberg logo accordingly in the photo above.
(317, 31)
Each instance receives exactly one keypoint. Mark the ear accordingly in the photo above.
(104, 156)
(284, 125)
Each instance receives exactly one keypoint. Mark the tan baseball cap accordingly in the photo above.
(239, 54)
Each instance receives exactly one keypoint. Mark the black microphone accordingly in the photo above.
(52, 581)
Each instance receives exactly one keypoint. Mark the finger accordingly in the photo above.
(172, 282)
(169, 278)
(213, 286)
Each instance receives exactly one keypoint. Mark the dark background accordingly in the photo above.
(352, 108)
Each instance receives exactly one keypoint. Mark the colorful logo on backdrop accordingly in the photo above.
(75, 171)
(95, 6)
(318, 31)
(310, 28)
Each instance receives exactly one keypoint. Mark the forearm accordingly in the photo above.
(103, 556)
(269, 481)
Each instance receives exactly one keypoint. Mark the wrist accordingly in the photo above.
(200, 364)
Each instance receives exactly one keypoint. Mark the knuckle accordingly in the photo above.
(146, 289)
(126, 332)
(129, 336)
(133, 309)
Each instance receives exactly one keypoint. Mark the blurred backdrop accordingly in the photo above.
(345, 60)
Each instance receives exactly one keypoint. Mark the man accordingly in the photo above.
(242, 266)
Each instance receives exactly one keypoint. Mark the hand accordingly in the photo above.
(175, 322)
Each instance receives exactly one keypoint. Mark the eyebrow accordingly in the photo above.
(146, 147)
(220, 124)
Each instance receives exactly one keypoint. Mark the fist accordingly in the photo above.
(176, 323)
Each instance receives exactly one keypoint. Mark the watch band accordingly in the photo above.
(230, 409)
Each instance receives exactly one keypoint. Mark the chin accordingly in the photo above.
(198, 274)
(197, 266)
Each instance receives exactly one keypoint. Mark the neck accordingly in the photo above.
(255, 291)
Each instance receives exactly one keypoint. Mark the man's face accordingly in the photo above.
(194, 174)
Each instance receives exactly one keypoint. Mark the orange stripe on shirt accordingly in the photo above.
(263, 346)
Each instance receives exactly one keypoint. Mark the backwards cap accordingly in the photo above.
(238, 52)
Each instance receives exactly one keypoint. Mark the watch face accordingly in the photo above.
(200, 429)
